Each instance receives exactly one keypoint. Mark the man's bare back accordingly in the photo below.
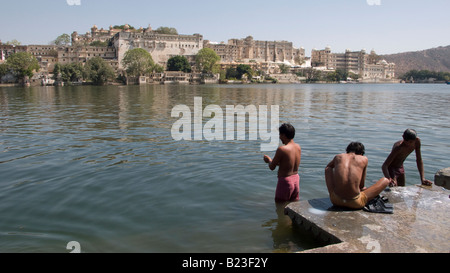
(349, 174)
(400, 152)
(345, 177)
(393, 166)
(288, 159)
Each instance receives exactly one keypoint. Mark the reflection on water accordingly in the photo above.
(98, 165)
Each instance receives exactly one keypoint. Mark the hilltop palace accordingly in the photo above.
(266, 56)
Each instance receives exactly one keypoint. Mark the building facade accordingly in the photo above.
(380, 70)
(8, 50)
(266, 56)
(161, 46)
(123, 38)
(248, 50)
(366, 66)
(96, 34)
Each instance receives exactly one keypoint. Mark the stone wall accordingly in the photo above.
(160, 46)
(442, 178)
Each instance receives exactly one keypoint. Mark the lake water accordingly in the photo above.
(98, 165)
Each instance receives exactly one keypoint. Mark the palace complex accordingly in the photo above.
(366, 66)
(266, 56)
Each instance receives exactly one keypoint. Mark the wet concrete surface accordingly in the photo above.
(420, 223)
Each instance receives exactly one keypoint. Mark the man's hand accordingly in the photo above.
(392, 182)
(267, 159)
(426, 182)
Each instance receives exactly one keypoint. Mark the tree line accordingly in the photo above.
(96, 70)
(21, 65)
(137, 62)
(425, 75)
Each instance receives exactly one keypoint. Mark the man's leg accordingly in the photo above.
(376, 189)
(401, 180)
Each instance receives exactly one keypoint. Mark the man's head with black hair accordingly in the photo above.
(287, 130)
(410, 134)
(357, 148)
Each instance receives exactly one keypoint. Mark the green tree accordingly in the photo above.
(206, 60)
(122, 27)
(284, 68)
(421, 75)
(3, 70)
(231, 73)
(22, 64)
(332, 77)
(342, 75)
(98, 71)
(158, 68)
(138, 62)
(312, 75)
(62, 40)
(244, 69)
(72, 72)
(166, 30)
(179, 63)
(56, 70)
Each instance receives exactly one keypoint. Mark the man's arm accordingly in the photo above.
(329, 177)
(331, 164)
(420, 164)
(276, 160)
(362, 183)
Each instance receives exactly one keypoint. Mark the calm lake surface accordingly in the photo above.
(98, 165)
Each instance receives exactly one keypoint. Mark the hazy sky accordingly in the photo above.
(387, 26)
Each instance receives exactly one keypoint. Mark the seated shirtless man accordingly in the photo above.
(288, 159)
(345, 177)
(393, 166)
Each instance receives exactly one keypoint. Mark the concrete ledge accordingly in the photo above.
(442, 178)
(420, 223)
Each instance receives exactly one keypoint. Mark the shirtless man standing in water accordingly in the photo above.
(393, 166)
(288, 159)
(345, 176)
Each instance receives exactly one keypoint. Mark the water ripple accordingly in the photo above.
(98, 165)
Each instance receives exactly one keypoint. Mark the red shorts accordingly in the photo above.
(395, 172)
(288, 189)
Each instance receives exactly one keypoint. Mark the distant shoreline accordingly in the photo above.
(236, 83)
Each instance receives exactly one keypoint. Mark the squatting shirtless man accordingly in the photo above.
(345, 176)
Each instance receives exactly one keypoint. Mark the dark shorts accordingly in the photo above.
(395, 172)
